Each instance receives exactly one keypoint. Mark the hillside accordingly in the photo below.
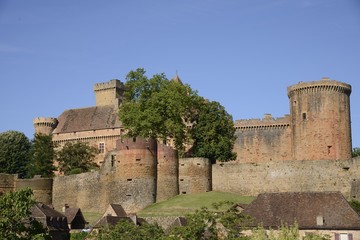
(188, 203)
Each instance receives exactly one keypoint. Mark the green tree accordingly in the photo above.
(14, 152)
(15, 220)
(213, 133)
(355, 152)
(76, 158)
(126, 230)
(164, 109)
(156, 107)
(42, 156)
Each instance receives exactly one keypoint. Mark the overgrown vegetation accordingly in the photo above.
(74, 158)
(42, 154)
(355, 152)
(14, 153)
(15, 220)
(170, 111)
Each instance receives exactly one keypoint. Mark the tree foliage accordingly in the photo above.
(355, 152)
(15, 220)
(163, 109)
(213, 133)
(42, 156)
(126, 230)
(76, 157)
(14, 152)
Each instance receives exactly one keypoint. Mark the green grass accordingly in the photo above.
(189, 203)
(91, 217)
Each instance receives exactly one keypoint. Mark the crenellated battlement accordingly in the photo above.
(45, 121)
(325, 84)
(267, 122)
(44, 125)
(136, 143)
(114, 83)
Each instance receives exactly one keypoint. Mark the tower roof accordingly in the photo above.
(176, 78)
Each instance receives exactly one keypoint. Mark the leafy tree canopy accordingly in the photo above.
(160, 108)
(356, 152)
(76, 158)
(14, 152)
(15, 220)
(42, 155)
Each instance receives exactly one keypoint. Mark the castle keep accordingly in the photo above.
(273, 154)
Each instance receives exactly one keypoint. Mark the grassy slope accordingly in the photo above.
(188, 203)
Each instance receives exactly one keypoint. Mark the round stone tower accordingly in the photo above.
(320, 120)
(167, 173)
(135, 172)
(45, 125)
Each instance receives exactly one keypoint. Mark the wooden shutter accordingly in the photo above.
(350, 236)
(337, 236)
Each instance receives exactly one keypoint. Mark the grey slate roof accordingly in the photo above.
(85, 119)
(274, 209)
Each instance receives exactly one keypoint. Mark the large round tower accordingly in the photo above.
(135, 184)
(320, 120)
(45, 125)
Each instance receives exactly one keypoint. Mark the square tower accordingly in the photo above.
(109, 93)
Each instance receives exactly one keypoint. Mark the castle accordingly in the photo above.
(307, 150)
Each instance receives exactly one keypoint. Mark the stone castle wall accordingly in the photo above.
(194, 175)
(42, 187)
(263, 140)
(287, 176)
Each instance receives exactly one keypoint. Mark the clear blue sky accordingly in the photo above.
(242, 54)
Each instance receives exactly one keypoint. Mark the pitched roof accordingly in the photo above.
(305, 208)
(118, 209)
(42, 210)
(85, 119)
(177, 79)
(110, 220)
(71, 213)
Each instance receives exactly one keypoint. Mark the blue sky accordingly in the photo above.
(243, 54)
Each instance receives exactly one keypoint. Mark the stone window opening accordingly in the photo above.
(329, 149)
(128, 195)
(304, 116)
(181, 179)
(101, 147)
(129, 179)
(113, 160)
(138, 159)
(183, 192)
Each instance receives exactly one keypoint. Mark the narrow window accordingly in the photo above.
(329, 149)
(129, 179)
(101, 147)
(134, 139)
(183, 192)
(138, 159)
(181, 179)
(113, 160)
(304, 116)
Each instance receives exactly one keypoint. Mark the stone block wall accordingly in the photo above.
(286, 176)
(194, 175)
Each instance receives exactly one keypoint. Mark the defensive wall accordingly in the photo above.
(42, 187)
(288, 176)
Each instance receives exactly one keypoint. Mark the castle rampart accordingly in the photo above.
(109, 93)
(194, 175)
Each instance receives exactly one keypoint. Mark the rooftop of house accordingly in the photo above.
(85, 119)
(310, 210)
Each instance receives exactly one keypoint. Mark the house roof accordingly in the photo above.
(310, 210)
(118, 209)
(49, 217)
(42, 210)
(71, 213)
(110, 220)
(85, 119)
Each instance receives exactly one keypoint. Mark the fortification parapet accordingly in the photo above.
(167, 173)
(194, 175)
(114, 83)
(325, 84)
(44, 125)
(266, 122)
